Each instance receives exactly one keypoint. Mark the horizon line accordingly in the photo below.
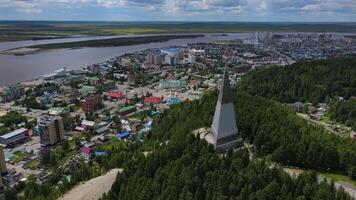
(179, 21)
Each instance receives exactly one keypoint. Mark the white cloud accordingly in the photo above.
(311, 7)
(113, 3)
(277, 8)
(26, 6)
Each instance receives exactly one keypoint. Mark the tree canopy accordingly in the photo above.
(306, 81)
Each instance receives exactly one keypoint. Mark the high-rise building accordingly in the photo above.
(95, 69)
(224, 124)
(2, 161)
(11, 93)
(191, 58)
(51, 130)
(155, 58)
(1, 183)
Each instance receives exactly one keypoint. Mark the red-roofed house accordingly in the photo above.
(115, 95)
(169, 78)
(153, 100)
(193, 82)
(86, 152)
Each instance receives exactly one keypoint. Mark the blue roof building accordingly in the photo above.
(173, 101)
(123, 135)
(101, 153)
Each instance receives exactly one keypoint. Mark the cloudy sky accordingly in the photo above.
(180, 10)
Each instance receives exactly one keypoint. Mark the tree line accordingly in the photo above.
(305, 81)
(344, 112)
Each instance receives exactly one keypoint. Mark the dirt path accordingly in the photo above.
(348, 187)
(92, 189)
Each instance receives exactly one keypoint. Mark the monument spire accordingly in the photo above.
(224, 124)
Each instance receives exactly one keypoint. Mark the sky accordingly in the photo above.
(180, 10)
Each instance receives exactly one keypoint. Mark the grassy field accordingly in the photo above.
(25, 30)
(33, 165)
(19, 156)
(337, 177)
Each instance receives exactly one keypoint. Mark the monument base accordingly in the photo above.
(234, 144)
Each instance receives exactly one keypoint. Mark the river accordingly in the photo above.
(14, 69)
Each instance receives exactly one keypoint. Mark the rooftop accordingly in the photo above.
(14, 133)
(88, 123)
(124, 109)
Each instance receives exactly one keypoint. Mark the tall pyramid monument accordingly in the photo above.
(224, 124)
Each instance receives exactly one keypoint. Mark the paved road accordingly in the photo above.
(316, 122)
(348, 187)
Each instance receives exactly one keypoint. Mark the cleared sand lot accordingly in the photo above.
(92, 189)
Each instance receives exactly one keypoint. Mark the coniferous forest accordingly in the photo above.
(184, 167)
(306, 81)
(344, 112)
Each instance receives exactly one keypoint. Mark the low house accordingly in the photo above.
(115, 95)
(126, 110)
(89, 144)
(109, 84)
(79, 129)
(14, 137)
(101, 153)
(152, 100)
(102, 129)
(103, 138)
(95, 80)
(88, 90)
(173, 101)
(59, 111)
(88, 124)
(86, 152)
(42, 175)
(123, 135)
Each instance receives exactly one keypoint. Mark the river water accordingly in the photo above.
(14, 69)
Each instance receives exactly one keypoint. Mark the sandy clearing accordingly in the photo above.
(92, 189)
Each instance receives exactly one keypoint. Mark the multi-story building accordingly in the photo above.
(90, 103)
(95, 69)
(169, 84)
(95, 80)
(191, 58)
(51, 130)
(155, 58)
(88, 90)
(3, 168)
(14, 137)
(11, 93)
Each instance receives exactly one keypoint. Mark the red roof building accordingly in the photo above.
(152, 99)
(115, 95)
(193, 82)
(86, 152)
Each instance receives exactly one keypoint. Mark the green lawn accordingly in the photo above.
(325, 119)
(338, 177)
(113, 143)
(19, 156)
(33, 165)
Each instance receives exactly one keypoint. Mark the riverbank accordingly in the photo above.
(16, 69)
(37, 30)
(111, 42)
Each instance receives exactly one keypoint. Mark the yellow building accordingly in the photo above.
(51, 130)
(2, 161)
